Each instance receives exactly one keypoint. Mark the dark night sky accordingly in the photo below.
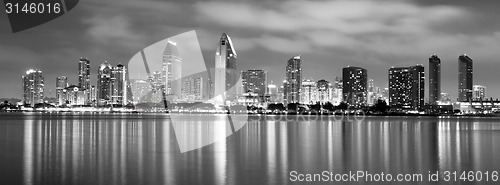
(329, 35)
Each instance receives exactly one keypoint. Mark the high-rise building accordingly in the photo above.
(407, 87)
(84, 73)
(119, 85)
(61, 84)
(465, 78)
(323, 88)
(371, 85)
(104, 84)
(254, 81)
(434, 79)
(293, 82)
(157, 90)
(192, 89)
(309, 92)
(172, 70)
(33, 87)
(140, 89)
(226, 75)
(479, 92)
(338, 83)
(354, 87)
(84, 77)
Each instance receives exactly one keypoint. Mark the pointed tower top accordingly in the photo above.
(230, 42)
(171, 49)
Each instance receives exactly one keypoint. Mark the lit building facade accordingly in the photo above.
(273, 91)
(104, 84)
(254, 81)
(192, 89)
(75, 96)
(293, 82)
(309, 92)
(119, 85)
(33, 87)
(323, 88)
(354, 86)
(84, 76)
(140, 89)
(407, 87)
(61, 85)
(479, 92)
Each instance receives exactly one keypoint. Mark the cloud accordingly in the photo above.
(112, 29)
(317, 24)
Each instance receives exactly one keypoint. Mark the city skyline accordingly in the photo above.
(255, 81)
(455, 28)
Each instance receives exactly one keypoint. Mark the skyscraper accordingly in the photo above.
(293, 82)
(140, 89)
(192, 88)
(354, 87)
(226, 75)
(33, 87)
(84, 73)
(84, 77)
(407, 87)
(157, 90)
(309, 92)
(119, 85)
(371, 85)
(61, 84)
(172, 70)
(434, 79)
(465, 78)
(254, 81)
(104, 84)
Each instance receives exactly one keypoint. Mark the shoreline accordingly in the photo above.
(133, 112)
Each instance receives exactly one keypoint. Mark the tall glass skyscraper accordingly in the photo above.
(119, 85)
(354, 87)
(84, 77)
(172, 70)
(84, 73)
(407, 87)
(434, 79)
(226, 75)
(104, 84)
(33, 87)
(293, 82)
(465, 78)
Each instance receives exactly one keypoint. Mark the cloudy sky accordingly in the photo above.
(329, 35)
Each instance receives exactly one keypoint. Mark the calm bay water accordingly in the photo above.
(143, 149)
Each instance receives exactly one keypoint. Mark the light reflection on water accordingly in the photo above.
(143, 149)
